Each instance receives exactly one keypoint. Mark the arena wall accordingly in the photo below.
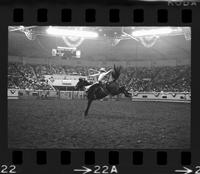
(136, 96)
(162, 96)
(13, 93)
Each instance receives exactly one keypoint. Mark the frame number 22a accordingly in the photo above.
(105, 169)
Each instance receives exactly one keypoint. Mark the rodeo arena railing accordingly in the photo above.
(136, 96)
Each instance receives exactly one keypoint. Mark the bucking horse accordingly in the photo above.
(100, 90)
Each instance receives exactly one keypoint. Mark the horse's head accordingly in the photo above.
(81, 84)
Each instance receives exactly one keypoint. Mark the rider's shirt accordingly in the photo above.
(95, 77)
(101, 76)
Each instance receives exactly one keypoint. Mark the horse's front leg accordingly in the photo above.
(88, 106)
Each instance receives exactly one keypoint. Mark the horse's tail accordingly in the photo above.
(116, 72)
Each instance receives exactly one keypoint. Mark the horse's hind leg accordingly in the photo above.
(88, 106)
(125, 92)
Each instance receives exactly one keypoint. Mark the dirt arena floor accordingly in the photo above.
(60, 123)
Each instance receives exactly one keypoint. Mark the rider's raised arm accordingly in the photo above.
(108, 72)
(93, 75)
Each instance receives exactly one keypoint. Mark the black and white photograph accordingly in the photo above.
(99, 87)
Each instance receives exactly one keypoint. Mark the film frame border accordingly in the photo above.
(148, 16)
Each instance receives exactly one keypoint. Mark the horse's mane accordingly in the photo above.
(116, 72)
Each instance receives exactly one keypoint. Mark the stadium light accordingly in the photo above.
(67, 32)
(152, 32)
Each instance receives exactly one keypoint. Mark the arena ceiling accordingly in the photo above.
(112, 43)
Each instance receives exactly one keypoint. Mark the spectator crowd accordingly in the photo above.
(151, 79)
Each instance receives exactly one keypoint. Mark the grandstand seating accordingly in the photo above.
(149, 79)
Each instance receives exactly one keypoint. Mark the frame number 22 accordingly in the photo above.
(7, 169)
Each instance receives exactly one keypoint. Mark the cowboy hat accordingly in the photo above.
(103, 69)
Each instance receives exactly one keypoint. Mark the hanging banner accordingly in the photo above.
(72, 41)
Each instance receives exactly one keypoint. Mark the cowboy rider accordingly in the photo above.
(99, 76)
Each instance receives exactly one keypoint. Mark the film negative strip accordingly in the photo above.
(99, 88)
